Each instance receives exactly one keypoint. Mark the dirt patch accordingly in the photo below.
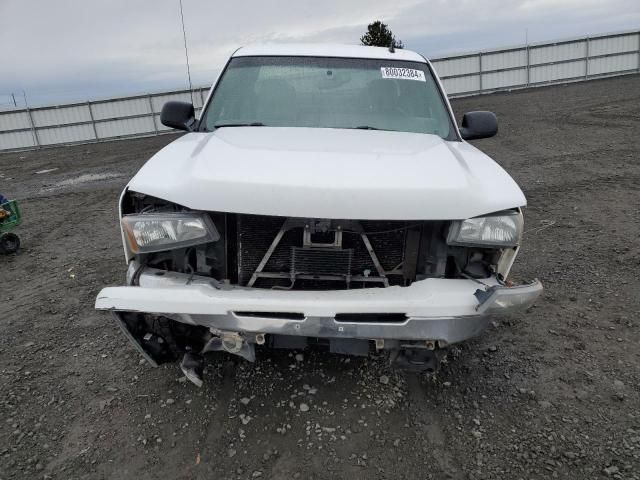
(554, 392)
(84, 178)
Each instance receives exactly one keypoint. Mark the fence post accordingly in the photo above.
(480, 68)
(33, 127)
(153, 114)
(528, 66)
(586, 61)
(93, 121)
(638, 51)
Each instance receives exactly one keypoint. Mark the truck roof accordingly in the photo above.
(326, 50)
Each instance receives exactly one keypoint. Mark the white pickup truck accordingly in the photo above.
(325, 195)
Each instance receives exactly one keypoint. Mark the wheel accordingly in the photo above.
(9, 243)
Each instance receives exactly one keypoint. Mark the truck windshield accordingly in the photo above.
(320, 92)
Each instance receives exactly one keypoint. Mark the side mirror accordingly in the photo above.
(478, 125)
(178, 115)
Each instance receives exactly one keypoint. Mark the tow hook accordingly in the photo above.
(230, 342)
(417, 359)
(192, 364)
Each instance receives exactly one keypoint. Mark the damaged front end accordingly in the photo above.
(200, 282)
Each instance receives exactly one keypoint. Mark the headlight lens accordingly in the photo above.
(153, 232)
(503, 230)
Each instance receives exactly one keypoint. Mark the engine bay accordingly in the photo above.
(292, 253)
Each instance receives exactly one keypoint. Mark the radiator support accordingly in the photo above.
(322, 256)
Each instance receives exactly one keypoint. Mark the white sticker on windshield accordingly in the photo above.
(403, 73)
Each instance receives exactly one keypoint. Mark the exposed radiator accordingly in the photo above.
(255, 234)
(321, 261)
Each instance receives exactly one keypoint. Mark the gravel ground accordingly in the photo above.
(550, 393)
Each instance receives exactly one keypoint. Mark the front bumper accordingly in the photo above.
(439, 310)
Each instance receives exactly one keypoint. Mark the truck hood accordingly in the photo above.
(328, 173)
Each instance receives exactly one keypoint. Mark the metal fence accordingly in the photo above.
(540, 64)
(467, 74)
(90, 121)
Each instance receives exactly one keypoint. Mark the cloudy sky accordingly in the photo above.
(66, 50)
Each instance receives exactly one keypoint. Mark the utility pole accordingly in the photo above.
(186, 51)
(14, 99)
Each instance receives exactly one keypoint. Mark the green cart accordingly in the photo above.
(10, 218)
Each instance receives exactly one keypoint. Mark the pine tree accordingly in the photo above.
(379, 35)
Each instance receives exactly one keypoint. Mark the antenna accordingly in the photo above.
(186, 52)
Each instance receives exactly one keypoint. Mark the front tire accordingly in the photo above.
(9, 243)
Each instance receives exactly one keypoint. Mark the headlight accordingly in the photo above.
(502, 230)
(152, 232)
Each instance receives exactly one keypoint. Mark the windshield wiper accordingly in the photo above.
(247, 124)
